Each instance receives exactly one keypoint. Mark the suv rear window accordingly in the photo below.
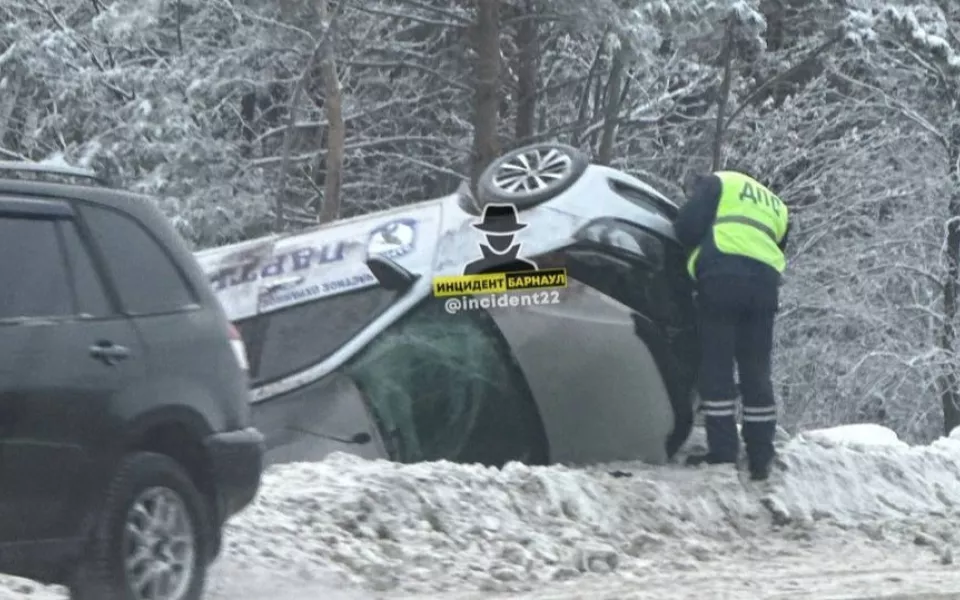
(33, 270)
(284, 342)
(146, 279)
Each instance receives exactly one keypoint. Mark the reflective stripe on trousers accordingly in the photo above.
(720, 421)
(719, 408)
(728, 408)
(759, 426)
(760, 414)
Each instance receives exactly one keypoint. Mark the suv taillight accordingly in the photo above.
(239, 348)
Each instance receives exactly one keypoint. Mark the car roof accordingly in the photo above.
(54, 168)
(142, 208)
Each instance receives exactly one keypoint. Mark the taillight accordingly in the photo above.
(239, 348)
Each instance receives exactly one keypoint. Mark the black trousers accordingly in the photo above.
(736, 334)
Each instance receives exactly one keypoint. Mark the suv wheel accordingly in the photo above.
(531, 175)
(151, 537)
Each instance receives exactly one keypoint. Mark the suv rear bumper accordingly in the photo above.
(236, 459)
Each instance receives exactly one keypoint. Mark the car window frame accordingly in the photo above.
(113, 305)
(255, 347)
(616, 259)
(672, 314)
(643, 199)
(103, 265)
(635, 231)
(55, 211)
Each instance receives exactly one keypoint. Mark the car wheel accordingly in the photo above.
(531, 175)
(151, 537)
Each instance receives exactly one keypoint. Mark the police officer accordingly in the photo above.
(736, 231)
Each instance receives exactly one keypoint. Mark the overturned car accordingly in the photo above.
(352, 348)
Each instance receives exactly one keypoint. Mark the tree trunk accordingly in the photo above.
(336, 129)
(611, 112)
(8, 102)
(180, 26)
(280, 200)
(486, 44)
(598, 95)
(248, 112)
(303, 82)
(947, 381)
(726, 58)
(528, 68)
(583, 107)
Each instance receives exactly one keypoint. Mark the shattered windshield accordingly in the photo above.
(443, 387)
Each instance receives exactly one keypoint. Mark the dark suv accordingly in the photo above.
(125, 438)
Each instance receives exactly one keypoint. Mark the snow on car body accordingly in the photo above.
(350, 351)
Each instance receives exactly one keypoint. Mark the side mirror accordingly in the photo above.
(358, 439)
(391, 276)
(361, 438)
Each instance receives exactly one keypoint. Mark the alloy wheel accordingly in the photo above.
(532, 171)
(159, 546)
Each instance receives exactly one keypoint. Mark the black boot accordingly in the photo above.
(759, 470)
(695, 460)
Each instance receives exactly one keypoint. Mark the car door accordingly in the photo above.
(597, 383)
(180, 339)
(647, 272)
(326, 416)
(305, 416)
(64, 352)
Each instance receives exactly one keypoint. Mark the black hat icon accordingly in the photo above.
(499, 219)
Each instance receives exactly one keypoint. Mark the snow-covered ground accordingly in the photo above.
(851, 513)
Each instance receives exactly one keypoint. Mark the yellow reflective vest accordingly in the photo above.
(751, 221)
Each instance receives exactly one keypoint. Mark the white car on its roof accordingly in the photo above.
(350, 350)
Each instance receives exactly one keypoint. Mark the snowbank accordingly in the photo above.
(443, 526)
(862, 435)
(857, 482)
(334, 528)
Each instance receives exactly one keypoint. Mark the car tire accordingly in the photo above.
(550, 168)
(142, 482)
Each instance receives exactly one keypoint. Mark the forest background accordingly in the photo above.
(243, 117)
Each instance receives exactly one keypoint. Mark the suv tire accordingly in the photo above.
(146, 482)
(551, 167)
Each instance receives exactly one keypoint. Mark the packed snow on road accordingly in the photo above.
(851, 510)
